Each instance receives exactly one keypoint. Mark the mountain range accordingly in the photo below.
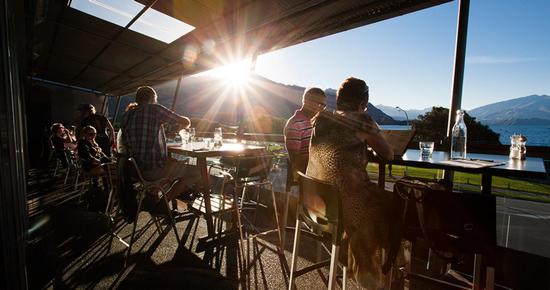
(529, 110)
(207, 97)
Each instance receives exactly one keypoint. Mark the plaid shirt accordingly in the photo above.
(298, 133)
(143, 134)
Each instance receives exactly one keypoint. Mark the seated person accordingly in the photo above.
(338, 154)
(101, 124)
(143, 138)
(298, 130)
(61, 141)
(90, 154)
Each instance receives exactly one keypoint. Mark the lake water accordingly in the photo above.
(537, 135)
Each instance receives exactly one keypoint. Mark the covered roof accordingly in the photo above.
(78, 49)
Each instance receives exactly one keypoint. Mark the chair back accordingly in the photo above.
(128, 174)
(253, 167)
(450, 221)
(320, 206)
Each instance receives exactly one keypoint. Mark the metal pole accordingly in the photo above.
(175, 98)
(460, 55)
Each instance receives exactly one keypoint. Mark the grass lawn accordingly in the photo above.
(509, 187)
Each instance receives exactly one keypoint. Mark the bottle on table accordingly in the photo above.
(459, 137)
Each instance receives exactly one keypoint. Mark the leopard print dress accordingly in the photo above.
(338, 156)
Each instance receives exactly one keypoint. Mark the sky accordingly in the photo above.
(407, 61)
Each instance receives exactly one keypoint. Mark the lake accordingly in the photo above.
(537, 135)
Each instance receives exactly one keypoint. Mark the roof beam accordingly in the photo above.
(120, 31)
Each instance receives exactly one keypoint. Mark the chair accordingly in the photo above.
(320, 208)
(131, 176)
(250, 171)
(451, 223)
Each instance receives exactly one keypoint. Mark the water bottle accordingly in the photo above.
(459, 137)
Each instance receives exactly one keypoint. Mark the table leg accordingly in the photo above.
(486, 182)
(201, 163)
(381, 175)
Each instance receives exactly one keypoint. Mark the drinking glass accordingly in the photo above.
(192, 134)
(426, 149)
(184, 136)
(218, 136)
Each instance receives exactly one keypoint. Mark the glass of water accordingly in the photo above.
(426, 149)
(218, 137)
(191, 134)
(184, 136)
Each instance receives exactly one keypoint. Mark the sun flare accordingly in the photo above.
(236, 74)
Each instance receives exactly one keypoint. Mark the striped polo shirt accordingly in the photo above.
(298, 133)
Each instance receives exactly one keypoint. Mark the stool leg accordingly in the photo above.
(344, 277)
(133, 231)
(333, 266)
(477, 272)
(293, 270)
(67, 174)
(172, 221)
(281, 241)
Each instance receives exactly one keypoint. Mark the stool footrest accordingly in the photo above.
(311, 268)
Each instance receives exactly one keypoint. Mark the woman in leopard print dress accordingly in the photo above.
(338, 154)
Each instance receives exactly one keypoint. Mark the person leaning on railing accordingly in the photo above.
(338, 155)
(298, 128)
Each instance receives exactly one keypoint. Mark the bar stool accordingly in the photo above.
(451, 222)
(132, 176)
(320, 208)
(250, 171)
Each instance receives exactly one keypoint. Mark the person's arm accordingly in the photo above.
(371, 134)
(168, 116)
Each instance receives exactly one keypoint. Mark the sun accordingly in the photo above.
(236, 74)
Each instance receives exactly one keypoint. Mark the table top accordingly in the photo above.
(531, 167)
(197, 149)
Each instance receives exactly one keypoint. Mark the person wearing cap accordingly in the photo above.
(89, 118)
(143, 138)
(298, 128)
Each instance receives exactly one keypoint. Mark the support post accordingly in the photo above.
(13, 193)
(460, 56)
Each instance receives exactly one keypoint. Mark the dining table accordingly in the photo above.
(487, 165)
(201, 151)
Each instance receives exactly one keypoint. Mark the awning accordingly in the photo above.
(78, 49)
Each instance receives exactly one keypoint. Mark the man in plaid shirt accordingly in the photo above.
(144, 139)
(298, 128)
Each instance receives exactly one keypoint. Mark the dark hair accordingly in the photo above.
(145, 95)
(313, 94)
(351, 93)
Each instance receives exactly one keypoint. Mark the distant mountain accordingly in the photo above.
(529, 110)
(399, 115)
(207, 97)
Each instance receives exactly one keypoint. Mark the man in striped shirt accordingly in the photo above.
(298, 128)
